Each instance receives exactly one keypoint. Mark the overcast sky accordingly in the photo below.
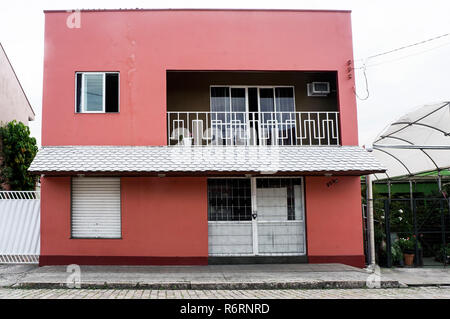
(398, 82)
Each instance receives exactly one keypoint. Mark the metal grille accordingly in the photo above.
(256, 216)
(20, 195)
(426, 219)
(229, 199)
(253, 128)
(19, 259)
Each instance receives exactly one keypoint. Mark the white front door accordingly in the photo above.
(280, 221)
(258, 216)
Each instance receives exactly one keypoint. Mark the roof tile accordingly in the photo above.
(200, 159)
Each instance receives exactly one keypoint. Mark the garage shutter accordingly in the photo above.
(96, 207)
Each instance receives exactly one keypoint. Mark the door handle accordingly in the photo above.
(254, 216)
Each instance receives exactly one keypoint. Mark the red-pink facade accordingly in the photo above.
(143, 45)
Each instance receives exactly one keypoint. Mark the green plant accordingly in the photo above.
(444, 252)
(408, 244)
(396, 252)
(18, 151)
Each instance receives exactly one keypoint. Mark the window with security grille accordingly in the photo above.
(229, 199)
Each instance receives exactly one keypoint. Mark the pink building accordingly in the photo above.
(200, 136)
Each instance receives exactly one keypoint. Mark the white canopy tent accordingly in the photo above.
(417, 142)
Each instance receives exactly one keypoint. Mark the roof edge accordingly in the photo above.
(211, 173)
(197, 9)
(208, 146)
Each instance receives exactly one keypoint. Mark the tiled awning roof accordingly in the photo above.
(198, 160)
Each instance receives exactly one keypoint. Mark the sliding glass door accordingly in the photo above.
(229, 117)
(285, 105)
(267, 112)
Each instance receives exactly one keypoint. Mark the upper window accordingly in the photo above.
(97, 92)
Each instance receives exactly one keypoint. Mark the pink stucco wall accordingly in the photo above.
(334, 220)
(164, 221)
(143, 45)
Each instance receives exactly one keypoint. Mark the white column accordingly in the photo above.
(370, 220)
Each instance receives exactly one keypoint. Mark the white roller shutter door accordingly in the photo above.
(96, 207)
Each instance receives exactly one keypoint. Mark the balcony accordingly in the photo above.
(253, 128)
(251, 108)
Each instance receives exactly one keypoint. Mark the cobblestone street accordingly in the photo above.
(399, 293)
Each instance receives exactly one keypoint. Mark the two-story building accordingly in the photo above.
(200, 136)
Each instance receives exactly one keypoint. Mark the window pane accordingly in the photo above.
(266, 100)
(229, 199)
(220, 102)
(283, 195)
(285, 99)
(220, 99)
(93, 92)
(238, 100)
(78, 98)
(112, 92)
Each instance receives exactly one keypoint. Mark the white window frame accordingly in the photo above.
(82, 104)
(258, 87)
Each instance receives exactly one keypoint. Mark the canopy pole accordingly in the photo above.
(411, 200)
(439, 181)
(370, 221)
(389, 189)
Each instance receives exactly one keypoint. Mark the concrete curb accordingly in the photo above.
(212, 286)
(410, 285)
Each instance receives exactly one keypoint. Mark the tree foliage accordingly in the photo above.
(18, 151)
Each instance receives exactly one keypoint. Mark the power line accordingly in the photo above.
(406, 56)
(364, 66)
(406, 46)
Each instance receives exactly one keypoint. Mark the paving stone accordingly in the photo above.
(388, 293)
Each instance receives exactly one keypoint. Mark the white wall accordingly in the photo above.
(13, 102)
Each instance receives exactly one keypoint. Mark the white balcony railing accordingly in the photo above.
(253, 128)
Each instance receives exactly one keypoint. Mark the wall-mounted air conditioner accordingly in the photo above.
(318, 88)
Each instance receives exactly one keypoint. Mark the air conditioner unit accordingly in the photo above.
(318, 88)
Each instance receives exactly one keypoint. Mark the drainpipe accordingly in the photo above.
(370, 221)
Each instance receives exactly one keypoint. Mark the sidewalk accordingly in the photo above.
(433, 276)
(272, 276)
(288, 276)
